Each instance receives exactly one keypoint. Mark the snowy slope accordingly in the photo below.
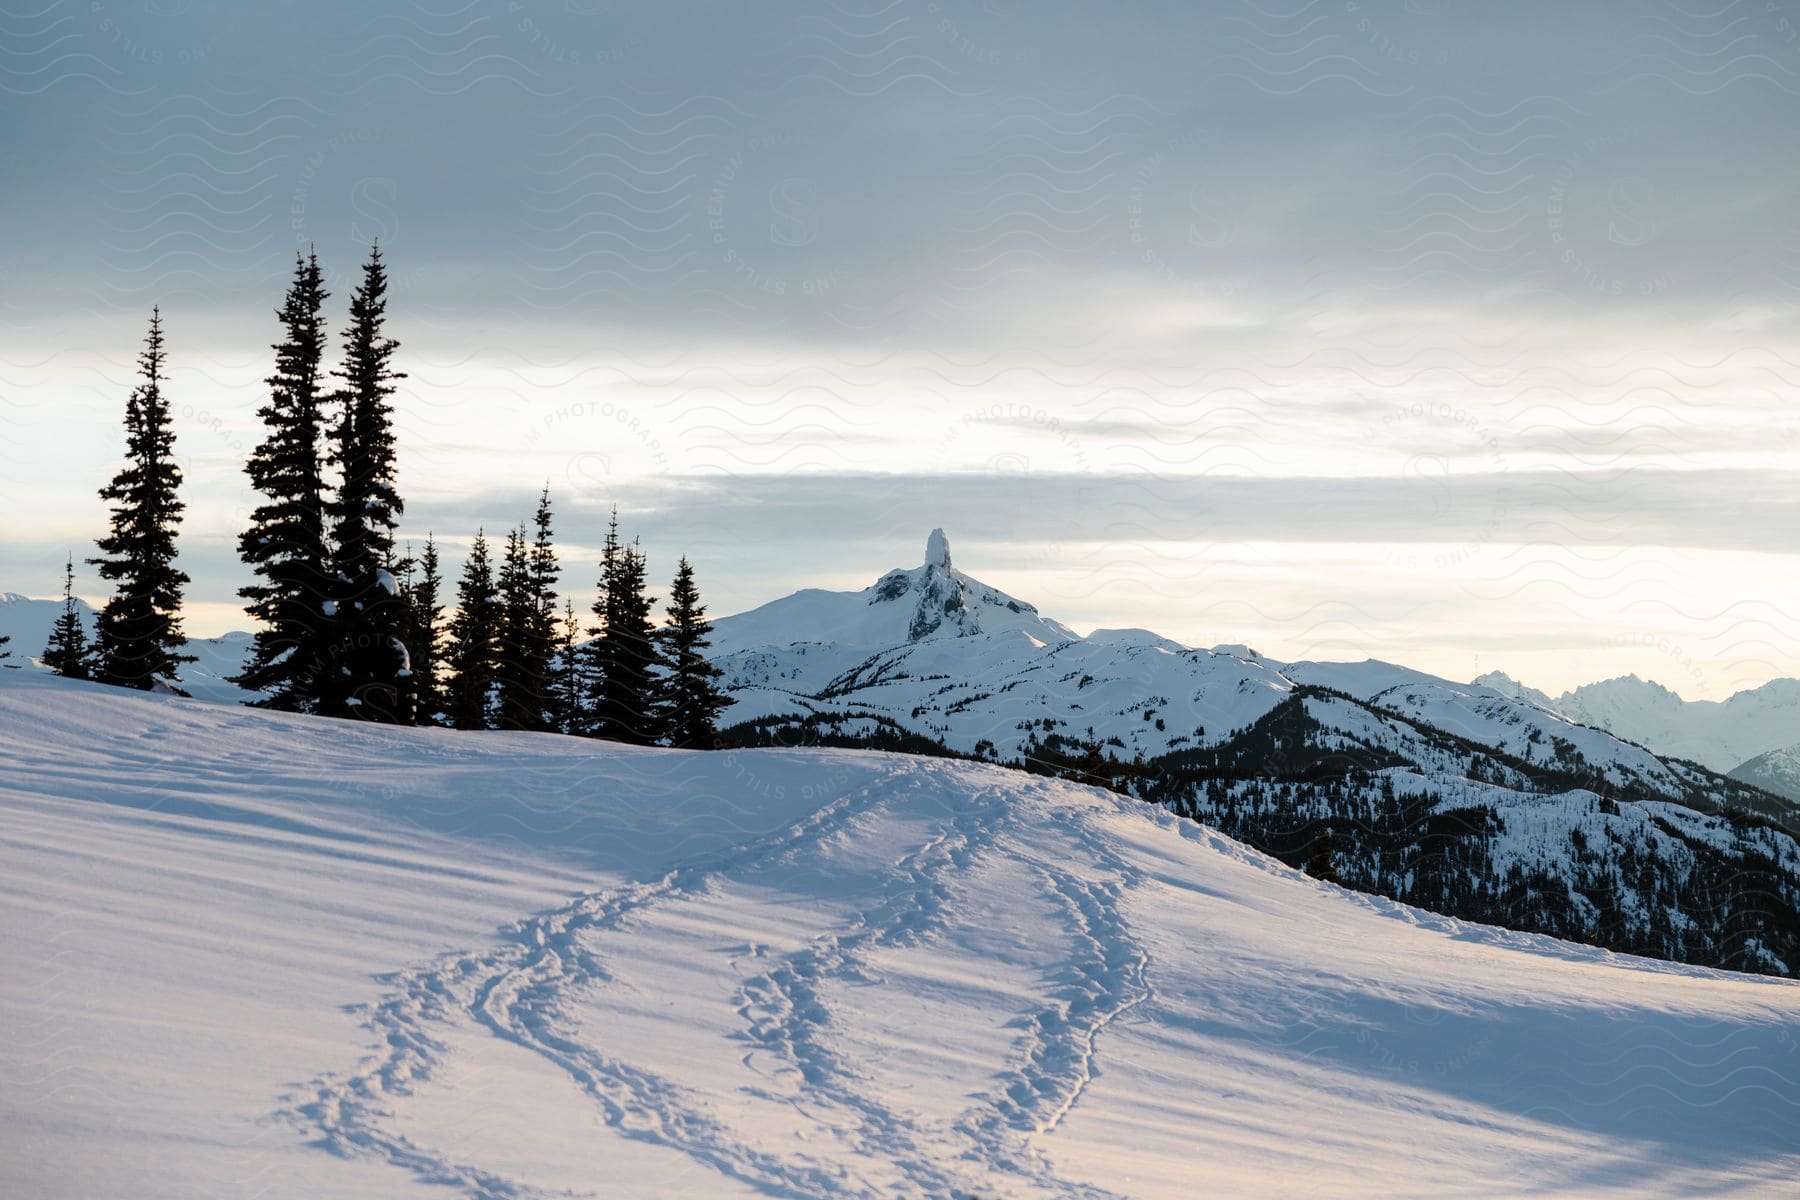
(253, 954)
(1002, 689)
(1491, 718)
(1777, 771)
(1719, 734)
(1406, 811)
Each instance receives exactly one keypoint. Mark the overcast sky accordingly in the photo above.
(1455, 333)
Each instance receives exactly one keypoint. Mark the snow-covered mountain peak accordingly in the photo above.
(1777, 693)
(1506, 685)
(906, 605)
(1136, 637)
(944, 602)
(1630, 685)
(937, 550)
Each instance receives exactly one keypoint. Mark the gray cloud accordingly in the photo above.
(1178, 237)
(873, 174)
(817, 524)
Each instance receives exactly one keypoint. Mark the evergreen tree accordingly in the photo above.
(368, 648)
(139, 630)
(67, 651)
(628, 658)
(425, 614)
(599, 650)
(541, 634)
(529, 631)
(474, 635)
(285, 544)
(690, 698)
(568, 680)
(519, 703)
(1321, 860)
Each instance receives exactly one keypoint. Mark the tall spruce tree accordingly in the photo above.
(425, 612)
(368, 646)
(689, 698)
(541, 636)
(628, 660)
(474, 636)
(1321, 858)
(528, 627)
(568, 678)
(518, 703)
(599, 650)
(67, 651)
(139, 631)
(285, 544)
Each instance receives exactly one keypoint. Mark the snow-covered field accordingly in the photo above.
(254, 955)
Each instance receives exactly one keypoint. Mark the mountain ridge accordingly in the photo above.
(1722, 735)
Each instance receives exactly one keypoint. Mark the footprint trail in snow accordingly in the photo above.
(934, 836)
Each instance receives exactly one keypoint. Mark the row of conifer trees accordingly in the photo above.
(348, 623)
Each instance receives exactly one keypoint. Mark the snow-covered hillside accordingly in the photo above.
(256, 954)
(1777, 771)
(1720, 734)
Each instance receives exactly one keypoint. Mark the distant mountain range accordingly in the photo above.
(944, 656)
(1152, 693)
(1748, 736)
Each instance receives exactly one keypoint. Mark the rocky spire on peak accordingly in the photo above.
(937, 550)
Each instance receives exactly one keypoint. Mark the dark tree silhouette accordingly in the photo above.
(568, 676)
(285, 544)
(528, 631)
(67, 651)
(541, 629)
(1321, 860)
(368, 648)
(474, 635)
(518, 704)
(597, 649)
(690, 698)
(626, 658)
(139, 631)
(425, 614)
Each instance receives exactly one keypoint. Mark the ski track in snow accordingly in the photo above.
(512, 991)
(516, 990)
